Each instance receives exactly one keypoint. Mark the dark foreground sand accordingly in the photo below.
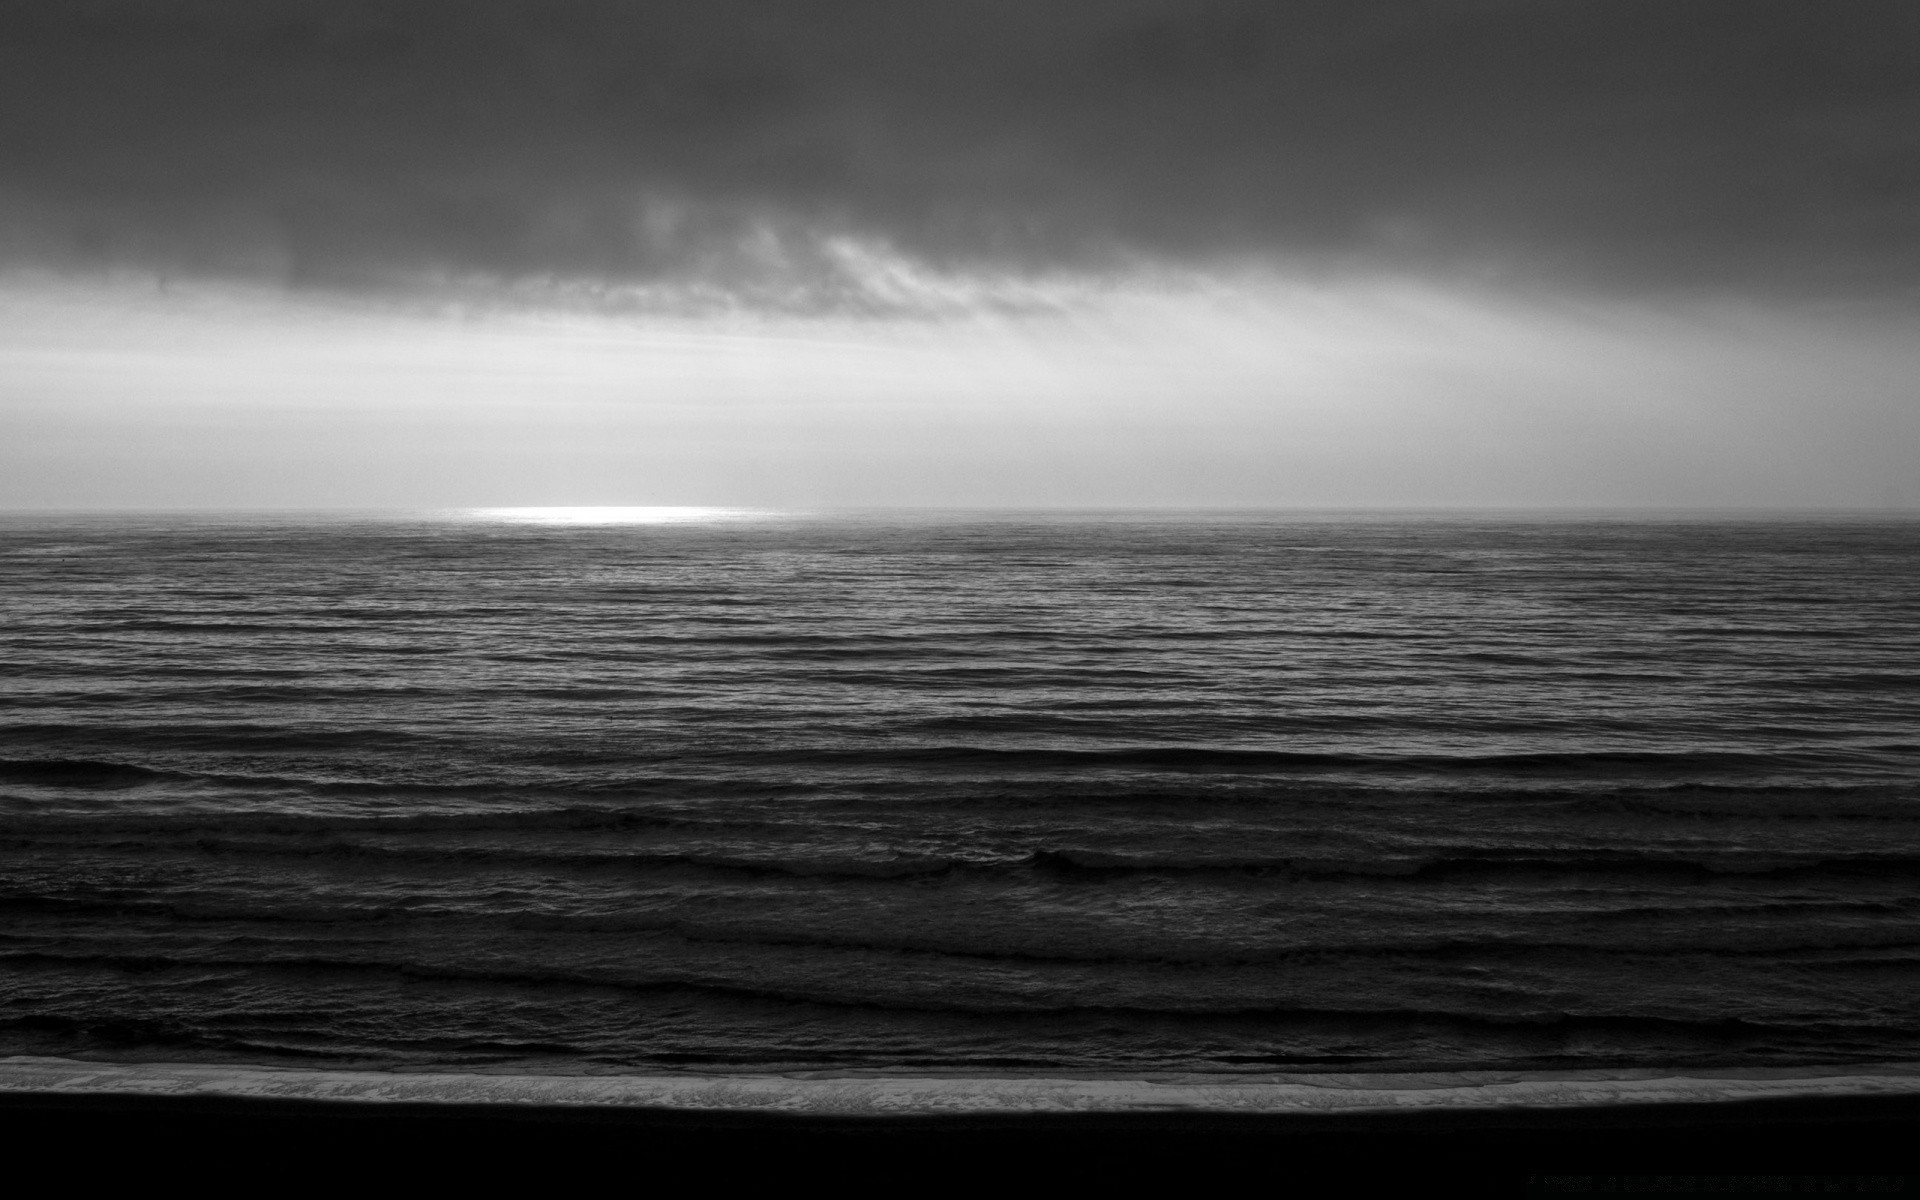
(1853, 1130)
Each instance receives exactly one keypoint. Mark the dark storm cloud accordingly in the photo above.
(1744, 144)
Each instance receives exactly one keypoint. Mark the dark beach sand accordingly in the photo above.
(1850, 1130)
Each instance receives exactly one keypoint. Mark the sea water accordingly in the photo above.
(1033, 791)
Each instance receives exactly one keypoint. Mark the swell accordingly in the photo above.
(1200, 758)
(1462, 865)
(1601, 764)
(1538, 943)
(1483, 863)
(106, 828)
(77, 773)
(223, 737)
(1797, 1028)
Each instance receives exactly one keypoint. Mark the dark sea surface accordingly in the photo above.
(1031, 791)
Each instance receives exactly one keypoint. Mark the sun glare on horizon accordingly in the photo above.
(614, 514)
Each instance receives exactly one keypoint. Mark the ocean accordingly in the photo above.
(1030, 792)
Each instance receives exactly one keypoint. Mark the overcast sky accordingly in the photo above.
(454, 252)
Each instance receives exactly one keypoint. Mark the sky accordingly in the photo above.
(456, 253)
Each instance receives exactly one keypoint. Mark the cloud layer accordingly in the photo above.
(777, 152)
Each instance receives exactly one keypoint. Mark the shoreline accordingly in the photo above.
(893, 1097)
(1848, 1129)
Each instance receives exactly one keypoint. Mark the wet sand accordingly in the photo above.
(1836, 1131)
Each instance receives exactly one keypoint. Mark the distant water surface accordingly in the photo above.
(1037, 791)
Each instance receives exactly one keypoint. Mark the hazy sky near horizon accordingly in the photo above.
(1475, 252)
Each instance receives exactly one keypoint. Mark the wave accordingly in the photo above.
(241, 736)
(1598, 957)
(1794, 1028)
(299, 838)
(222, 737)
(1200, 758)
(201, 825)
(77, 773)
(593, 787)
(1815, 801)
(1708, 864)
